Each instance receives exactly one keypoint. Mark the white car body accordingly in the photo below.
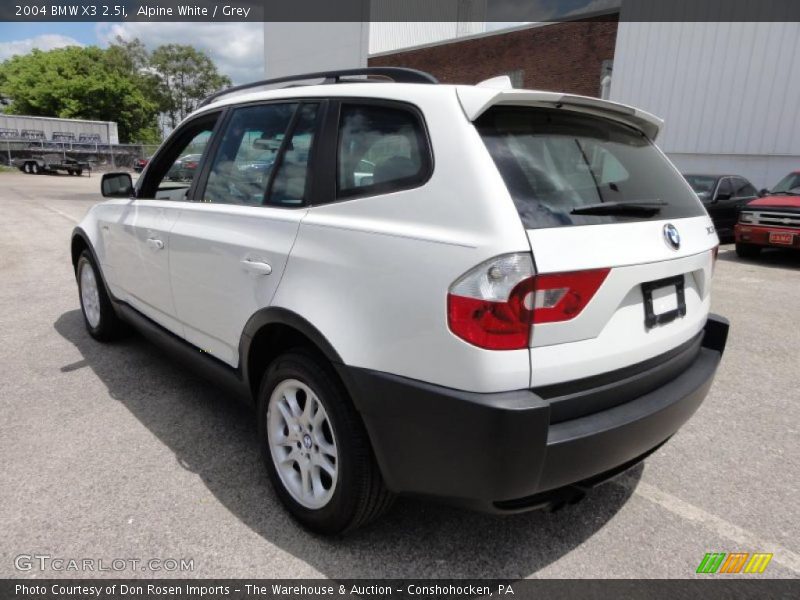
(371, 274)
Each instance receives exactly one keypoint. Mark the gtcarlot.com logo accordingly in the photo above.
(735, 562)
(46, 562)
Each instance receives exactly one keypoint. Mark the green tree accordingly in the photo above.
(82, 83)
(186, 76)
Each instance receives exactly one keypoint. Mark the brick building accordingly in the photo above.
(571, 56)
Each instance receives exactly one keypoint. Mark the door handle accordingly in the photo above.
(155, 243)
(257, 266)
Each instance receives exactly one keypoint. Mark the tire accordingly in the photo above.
(348, 493)
(70, 172)
(747, 250)
(99, 317)
(78, 172)
(27, 168)
(35, 168)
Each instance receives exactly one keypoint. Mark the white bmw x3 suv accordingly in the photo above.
(494, 297)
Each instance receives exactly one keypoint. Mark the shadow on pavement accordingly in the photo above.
(215, 438)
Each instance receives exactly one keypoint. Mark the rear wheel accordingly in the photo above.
(78, 172)
(99, 317)
(316, 449)
(27, 167)
(35, 168)
(70, 172)
(747, 250)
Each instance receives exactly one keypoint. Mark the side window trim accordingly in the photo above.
(170, 143)
(322, 162)
(427, 155)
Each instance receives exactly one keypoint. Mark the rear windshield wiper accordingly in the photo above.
(644, 208)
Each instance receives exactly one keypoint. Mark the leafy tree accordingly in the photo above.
(129, 55)
(186, 76)
(123, 83)
(80, 83)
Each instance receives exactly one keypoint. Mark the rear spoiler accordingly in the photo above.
(477, 100)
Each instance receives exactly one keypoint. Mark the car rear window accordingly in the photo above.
(554, 161)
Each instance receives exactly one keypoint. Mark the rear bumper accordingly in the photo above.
(758, 235)
(500, 452)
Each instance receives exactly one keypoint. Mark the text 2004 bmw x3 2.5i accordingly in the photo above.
(490, 296)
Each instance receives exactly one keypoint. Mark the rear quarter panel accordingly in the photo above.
(372, 274)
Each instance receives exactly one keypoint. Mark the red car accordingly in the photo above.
(773, 220)
(139, 164)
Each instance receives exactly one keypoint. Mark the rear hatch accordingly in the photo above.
(622, 247)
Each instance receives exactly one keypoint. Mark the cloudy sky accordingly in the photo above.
(241, 57)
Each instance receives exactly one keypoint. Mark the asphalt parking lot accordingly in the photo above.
(114, 451)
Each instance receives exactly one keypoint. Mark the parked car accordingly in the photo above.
(502, 327)
(773, 220)
(184, 168)
(51, 163)
(139, 164)
(723, 197)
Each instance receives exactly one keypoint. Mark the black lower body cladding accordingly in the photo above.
(492, 451)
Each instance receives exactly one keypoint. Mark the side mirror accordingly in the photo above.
(117, 185)
(763, 192)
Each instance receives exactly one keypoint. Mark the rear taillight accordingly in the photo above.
(191, 165)
(490, 305)
(495, 305)
(562, 296)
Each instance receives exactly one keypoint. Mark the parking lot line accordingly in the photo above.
(63, 214)
(717, 525)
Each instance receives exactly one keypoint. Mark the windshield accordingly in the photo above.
(702, 184)
(554, 162)
(789, 184)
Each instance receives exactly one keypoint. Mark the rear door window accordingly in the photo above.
(244, 161)
(381, 149)
(554, 161)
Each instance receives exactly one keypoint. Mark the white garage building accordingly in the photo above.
(729, 93)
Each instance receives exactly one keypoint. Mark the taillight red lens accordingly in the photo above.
(493, 325)
(562, 296)
(191, 165)
(496, 304)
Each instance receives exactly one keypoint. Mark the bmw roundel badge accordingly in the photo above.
(671, 236)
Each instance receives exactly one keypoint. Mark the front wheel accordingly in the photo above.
(747, 250)
(35, 168)
(27, 168)
(316, 449)
(99, 317)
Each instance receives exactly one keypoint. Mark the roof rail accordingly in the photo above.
(395, 74)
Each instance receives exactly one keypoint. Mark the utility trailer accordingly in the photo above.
(51, 163)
